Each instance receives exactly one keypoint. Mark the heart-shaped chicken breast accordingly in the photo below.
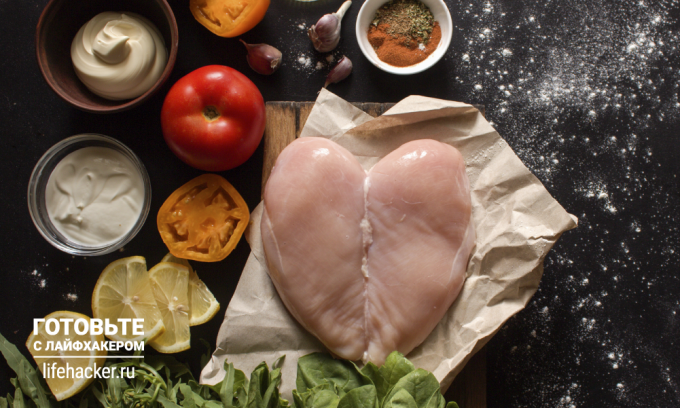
(368, 262)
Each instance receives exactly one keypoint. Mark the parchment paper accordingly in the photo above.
(516, 219)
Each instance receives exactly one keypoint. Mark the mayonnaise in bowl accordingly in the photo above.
(118, 55)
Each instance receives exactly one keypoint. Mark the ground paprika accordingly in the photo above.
(401, 50)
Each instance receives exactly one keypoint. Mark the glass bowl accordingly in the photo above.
(37, 185)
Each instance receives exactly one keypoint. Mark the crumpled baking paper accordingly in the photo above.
(516, 219)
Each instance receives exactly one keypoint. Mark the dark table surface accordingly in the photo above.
(585, 92)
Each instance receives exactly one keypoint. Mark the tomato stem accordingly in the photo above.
(211, 113)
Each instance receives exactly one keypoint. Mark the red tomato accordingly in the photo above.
(213, 118)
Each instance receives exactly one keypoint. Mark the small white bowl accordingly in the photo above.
(441, 15)
(37, 185)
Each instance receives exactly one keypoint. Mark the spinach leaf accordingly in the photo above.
(318, 368)
(325, 382)
(321, 396)
(362, 397)
(396, 366)
(400, 399)
(422, 386)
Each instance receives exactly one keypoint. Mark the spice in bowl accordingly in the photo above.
(404, 32)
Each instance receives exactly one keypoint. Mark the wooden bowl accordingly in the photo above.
(58, 25)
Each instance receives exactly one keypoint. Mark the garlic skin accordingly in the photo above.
(325, 34)
(339, 71)
(263, 58)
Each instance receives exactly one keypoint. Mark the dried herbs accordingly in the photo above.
(406, 18)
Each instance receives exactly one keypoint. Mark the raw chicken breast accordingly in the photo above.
(368, 262)
(310, 230)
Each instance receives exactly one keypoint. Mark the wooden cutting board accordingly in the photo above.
(285, 121)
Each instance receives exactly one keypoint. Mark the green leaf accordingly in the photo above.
(17, 389)
(189, 400)
(278, 363)
(259, 380)
(362, 397)
(3, 402)
(172, 393)
(400, 399)
(195, 386)
(395, 368)
(115, 387)
(321, 396)
(166, 403)
(436, 401)
(297, 400)
(271, 399)
(283, 403)
(226, 386)
(420, 384)
(318, 368)
(371, 371)
(28, 378)
(324, 399)
(18, 399)
(99, 396)
(452, 404)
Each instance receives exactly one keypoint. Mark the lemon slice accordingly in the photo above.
(54, 360)
(170, 282)
(123, 291)
(202, 304)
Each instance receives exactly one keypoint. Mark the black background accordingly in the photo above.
(586, 94)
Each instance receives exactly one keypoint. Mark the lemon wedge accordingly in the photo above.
(124, 291)
(170, 283)
(202, 303)
(73, 364)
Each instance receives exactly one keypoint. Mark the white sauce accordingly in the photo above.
(94, 196)
(118, 55)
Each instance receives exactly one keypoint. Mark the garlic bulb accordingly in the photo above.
(325, 34)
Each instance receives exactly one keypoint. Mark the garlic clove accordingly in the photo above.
(263, 58)
(339, 72)
(325, 34)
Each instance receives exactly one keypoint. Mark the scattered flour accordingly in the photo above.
(560, 79)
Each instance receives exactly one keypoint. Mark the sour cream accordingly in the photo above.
(94, 196)
(118, 55)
